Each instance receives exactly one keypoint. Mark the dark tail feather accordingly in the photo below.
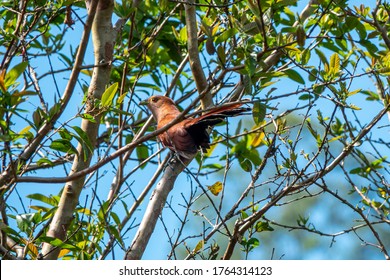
(197, 127)
(229, 110)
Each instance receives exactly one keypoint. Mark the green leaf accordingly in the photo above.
(142, 153)
(44, 161)
(350, 93)
(258, 112)
(125, 207)
(149, 86)
(361, 30)
(42, 198)
(8, 230)
(65, 134)
(350, 23)
(305, 56)
(254, 157)
(58, 243)
(115, 232)
(371, 48)
(88, 117)
(253, 243)
(83, 138)
(305, 96)
(175, 33)
(120, 99)
(64, 146)
(108, 95)
(216, 166)
(263, 226)
(244, 215)
(15, 73)
(322, 56)
(302, 221)
(313, 75)
(250, 66)
(55, 109)
(246, 165)
(24, 221)
(115, 217)
(313, 132)
(37, 218)
(40, 208)
(295, 76)
(38, 118)
(226, 35)
(221, 54)
(354, 107)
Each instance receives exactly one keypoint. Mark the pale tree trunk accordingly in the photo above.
(193, 52)
(175, 167)
(154, 209)
(103, 43)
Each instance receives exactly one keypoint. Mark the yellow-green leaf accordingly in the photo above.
(199, 246)
(14, 73)
(177, 36)
(257, 139)
(121, 98)
(216, 188)
(183, 35)
(350, 93)
(213, 146)
(354, 107)
(2, 81)
(25, 130)
(87, 72)
(335, 63)
(31, 248)
(63, 252)
(108, 95)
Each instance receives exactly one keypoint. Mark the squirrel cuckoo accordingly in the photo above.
(189, 135)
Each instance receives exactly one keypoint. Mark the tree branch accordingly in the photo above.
(103, 40)
(193, 52)
(31, 148)
(275, 56)
(154, 209)
(242, 226)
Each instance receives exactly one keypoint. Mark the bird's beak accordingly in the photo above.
(144, 102)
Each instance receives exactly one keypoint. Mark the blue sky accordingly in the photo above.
(288, 245)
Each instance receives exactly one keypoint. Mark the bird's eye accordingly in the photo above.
(154, 99)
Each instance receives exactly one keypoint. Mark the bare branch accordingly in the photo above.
(154, 209)
(193, 52)
(103, 46)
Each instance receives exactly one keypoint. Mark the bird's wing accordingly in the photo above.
(198, 130)
(179, 140)
(197, 127)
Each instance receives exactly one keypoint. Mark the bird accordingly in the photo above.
(189, 135)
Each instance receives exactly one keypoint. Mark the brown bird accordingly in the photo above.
(189, 135)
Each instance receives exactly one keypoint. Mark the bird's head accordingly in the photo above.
(160, 106)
